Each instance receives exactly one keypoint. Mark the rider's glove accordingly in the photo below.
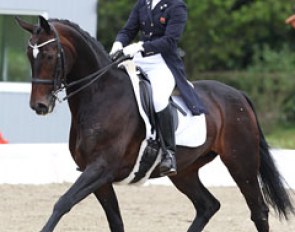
(117, 46)
(132, 49)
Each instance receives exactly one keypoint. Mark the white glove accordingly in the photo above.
(117, 46)
(132, 49)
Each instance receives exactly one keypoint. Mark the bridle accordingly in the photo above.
(59, 82)
(59, 73)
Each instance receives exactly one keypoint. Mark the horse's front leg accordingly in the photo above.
(108, 199)
(95, 175)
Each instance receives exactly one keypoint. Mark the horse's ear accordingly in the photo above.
(26, 26)
(44, 24)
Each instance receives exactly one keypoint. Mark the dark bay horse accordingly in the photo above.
(107, 130)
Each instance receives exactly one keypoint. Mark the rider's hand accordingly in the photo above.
(117, 46)
(132, 49)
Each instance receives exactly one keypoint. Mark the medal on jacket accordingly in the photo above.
(163, 18)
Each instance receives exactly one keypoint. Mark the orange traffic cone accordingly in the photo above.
(2, 140)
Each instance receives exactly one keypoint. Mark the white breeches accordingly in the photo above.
(160, 76)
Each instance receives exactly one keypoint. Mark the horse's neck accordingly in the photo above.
(108, 88)
(105, 101)
(84, 58)
(86, 62)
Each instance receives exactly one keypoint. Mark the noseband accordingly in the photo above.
(59, 73)
(59, 82)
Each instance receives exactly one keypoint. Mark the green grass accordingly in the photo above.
(282, 137)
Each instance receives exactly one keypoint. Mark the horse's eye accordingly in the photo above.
(47, 55)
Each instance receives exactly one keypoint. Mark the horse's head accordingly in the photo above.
(46, 57)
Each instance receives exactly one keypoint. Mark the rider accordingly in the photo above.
(161, 23)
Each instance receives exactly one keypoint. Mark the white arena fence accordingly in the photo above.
(52, 163)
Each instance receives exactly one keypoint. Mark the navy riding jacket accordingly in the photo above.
(161, 29)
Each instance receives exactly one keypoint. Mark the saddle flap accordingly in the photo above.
(144, 99)
(132, 71)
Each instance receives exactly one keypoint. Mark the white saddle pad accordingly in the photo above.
(191, 130)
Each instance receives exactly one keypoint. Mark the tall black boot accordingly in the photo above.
(166, 127)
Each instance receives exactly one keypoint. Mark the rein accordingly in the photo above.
(92, 77)
(59, 81)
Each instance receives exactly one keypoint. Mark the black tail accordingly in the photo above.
(271, 180)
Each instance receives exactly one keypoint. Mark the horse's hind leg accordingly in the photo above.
(242, 162)
(204, 202)
(108, 199)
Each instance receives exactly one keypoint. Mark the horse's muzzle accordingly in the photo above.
(40, 108)
(43, 107)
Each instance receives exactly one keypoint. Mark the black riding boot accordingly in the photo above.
(166, 127)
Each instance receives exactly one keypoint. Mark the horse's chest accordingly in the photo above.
(89, 137)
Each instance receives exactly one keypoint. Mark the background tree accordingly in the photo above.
(112, 15)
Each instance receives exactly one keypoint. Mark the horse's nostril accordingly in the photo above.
(41, 108)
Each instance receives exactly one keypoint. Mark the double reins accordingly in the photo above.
(59, 81)
(117, 58)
